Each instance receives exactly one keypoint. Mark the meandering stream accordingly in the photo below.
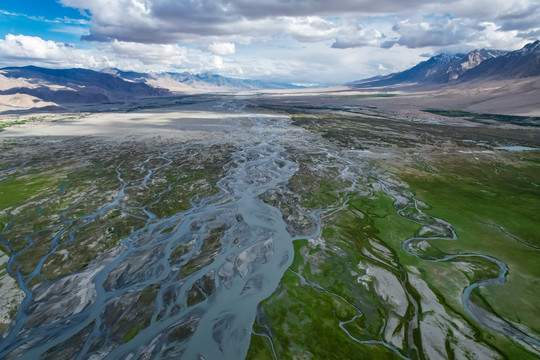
(446, 232)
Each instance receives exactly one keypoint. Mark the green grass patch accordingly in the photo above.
(18, 190)
(306, 325)
(131, 333)
(493, 207)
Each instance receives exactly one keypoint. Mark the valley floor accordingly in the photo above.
(270, 226)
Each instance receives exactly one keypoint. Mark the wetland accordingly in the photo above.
(270, 227)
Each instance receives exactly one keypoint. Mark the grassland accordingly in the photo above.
(493, 206)
(356, 273)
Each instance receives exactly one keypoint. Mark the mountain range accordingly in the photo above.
(32, 88)
(41, 89)
(204, 81)
(74, 85)
(477, 65)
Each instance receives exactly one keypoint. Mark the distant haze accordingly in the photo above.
(295, 41)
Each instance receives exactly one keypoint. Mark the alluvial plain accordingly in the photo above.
(269, 226)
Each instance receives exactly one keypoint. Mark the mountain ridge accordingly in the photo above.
(73, 86)
(200, 80)
(33, 88)
(476, 65)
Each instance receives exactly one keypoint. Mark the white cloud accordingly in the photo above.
(294, 40)
(221, 48)
(31, 50)
(150, 54)
(309, 29)
(359, 37)
(217, 62)
(454, 34)
(64, 20)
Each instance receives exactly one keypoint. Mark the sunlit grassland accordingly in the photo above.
(492, 201)
(296, 313)
(16, 191)
(493, 205)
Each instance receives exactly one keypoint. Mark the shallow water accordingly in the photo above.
(255, 250)
(516, 148)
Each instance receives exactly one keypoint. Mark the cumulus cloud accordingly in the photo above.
(174, 21)
(217, 62)
(441, 32)
(32, 49)
(221, 48)
(360, 37)
(460, 34)
(311, 28)
(150, 54)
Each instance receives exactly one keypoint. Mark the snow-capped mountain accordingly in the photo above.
(476, 65)
(179, 81)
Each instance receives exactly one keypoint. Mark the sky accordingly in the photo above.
(309, 42)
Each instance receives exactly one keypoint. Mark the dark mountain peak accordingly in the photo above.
(471, 60)
(533, 47)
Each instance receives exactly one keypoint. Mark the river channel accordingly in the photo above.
(254, 252)
(206, 300)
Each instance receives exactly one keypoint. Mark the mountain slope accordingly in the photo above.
(516, 64)
(476, 65)
(69, 86)
(185, 80)
(426, 71)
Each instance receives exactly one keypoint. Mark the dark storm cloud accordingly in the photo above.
(530, 35)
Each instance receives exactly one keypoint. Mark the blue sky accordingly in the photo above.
(317, 41)
(39, 18)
